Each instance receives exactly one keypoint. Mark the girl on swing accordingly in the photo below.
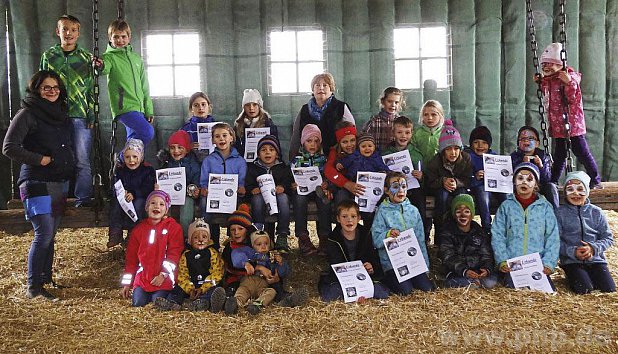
(560, 85)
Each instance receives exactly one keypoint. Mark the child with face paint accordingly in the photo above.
(448, 173)
(466, 248)
(528, 151)
(524, 224)
(394, 215)
(584, 237)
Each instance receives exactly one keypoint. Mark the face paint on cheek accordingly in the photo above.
(572, 190)
(528, 181)
(396, 187)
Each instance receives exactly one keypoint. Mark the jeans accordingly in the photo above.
(332, 291)
(419, 282)
(583, 278)
(454, 281)
(580, 149)
(137, 126)
(142, 298)
(41, 255)
(482, 201)
(324, 225)
(83, 144)
(178, 295)
(184, 214)
(259, 210)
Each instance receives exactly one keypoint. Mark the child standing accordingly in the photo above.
(425, 137)
(583, 243)
(200, 107)
(181, 155)
(253, 115)
(396, 214)
(380, 125)
(268, 162)
(138, 179)
(561, 86)
(154, 249)
(199, 271)
(525, 223)
(480, 143)
(528, 151)
(448, 173)
(225, 159)
(350, 241)
(310, 154)
(73, 64)
(466, 248)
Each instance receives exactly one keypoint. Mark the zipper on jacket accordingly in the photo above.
(581, 225)
(526, 230)
(126, 52)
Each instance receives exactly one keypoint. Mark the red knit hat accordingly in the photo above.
(341, 132)
(181, 138)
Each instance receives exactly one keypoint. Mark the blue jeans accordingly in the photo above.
(324, 225)
(583, 278)
(137, 126)
(482, 201)
(178, 295)
(83, 144)
(420, 282)
(332, 292)
(142, 298)
(259, 210)
(41, 255)
(454, 281)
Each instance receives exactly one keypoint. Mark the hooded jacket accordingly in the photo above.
(191, 126)
(437, 170)
(189, 162)
(282, 174)
(554, 104)
(200, 269)
(426, 141)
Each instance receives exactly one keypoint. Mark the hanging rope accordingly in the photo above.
(97, 180)
(121, 9)
(537, 73)
(565, 101)
(113, 139)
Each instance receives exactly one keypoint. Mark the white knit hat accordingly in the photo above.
(551, 54)
(252, 96)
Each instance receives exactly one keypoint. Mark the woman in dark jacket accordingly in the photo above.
(40, 137)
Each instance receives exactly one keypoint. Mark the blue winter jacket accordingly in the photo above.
(245, 254)
(518, 232)
(477, 165)
(517, 157)
(215, 163)
(356, 162)
(191, 126)
(401, 216)
(583, 223)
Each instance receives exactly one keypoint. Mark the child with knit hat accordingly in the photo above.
(480, 143)
(583, 243)
(240, 225)
(138, 180)
(199, 272)
(181, 155)
(310, 154)
(448, 173)
(253, 115)
(366, 158)
(465, 248)
(525, 223)
(528, 151)
(561, 86)
(153, 252)
(269, 162)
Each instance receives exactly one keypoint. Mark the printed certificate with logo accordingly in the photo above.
(252, 137)
(267, 189)
(354, 280)
(222, 193)
(173, 181)
(128, 207)
(527, 273)
(405, 255)
(307, 179)
(374, 188)
(401, 161)
(498, 173)
(204, 136)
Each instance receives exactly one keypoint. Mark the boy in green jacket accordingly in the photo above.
(72, 63)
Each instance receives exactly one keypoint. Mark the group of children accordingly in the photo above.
(159, 269)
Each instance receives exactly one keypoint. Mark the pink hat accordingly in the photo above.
(551, 54)
(449, 136)
(161, 194)
(181, 138)
(308, 131)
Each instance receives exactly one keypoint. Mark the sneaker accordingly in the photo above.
(84, 204)
(163, 304)
(231, 306)
(199, 305)
(47, 295)
(297, 298)
(322, 195)
(33, 291)
(255, 307)
(305, 246)
(598, 186)
(282, 243)
(217, 299)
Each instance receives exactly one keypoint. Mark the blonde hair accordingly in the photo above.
(327, 77)
(118, 25)
(393, 91)
(432, 104)
(240, 125)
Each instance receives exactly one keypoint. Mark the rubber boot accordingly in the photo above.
(305, 246)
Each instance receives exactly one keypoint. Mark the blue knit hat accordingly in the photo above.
(530, 167)
(270, 140)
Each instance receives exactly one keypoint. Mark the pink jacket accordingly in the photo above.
(552, 100)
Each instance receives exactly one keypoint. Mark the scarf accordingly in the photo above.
(50, 112)
(316, 112)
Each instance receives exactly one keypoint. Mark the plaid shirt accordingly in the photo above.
(75, 70)
(380, 126)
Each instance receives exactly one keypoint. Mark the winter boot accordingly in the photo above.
(114, 238)
(231, 306)
(163, 304)
(305, 246)
(297, 298)
(255, 307)
(33, 291)
(217, 299)
(281, 244)
(322, 246)
(199, 305)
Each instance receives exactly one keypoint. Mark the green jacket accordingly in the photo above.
(75, 70)
(426, 140)
(127, 82)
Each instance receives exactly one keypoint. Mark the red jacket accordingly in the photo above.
(552, 100)
(153, 249)
(330, 171)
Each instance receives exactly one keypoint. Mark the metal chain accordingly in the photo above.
(565, 101)
(121, 9)
(97, 180)
(537, 73)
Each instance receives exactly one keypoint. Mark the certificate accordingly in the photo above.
(173, 181)
(307, 179)
(252, 137)
(498, 173)
(222, 193)
(405, 255)
(267, 188)
(204, 136)
(374, 188)
(527, 273)
(128, 207)
(354, 280)
(401, 162)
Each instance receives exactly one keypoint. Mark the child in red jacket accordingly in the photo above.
(153, 252)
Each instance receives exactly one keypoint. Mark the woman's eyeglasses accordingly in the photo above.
(48, 88)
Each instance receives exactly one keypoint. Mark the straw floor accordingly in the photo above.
(91, 317)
